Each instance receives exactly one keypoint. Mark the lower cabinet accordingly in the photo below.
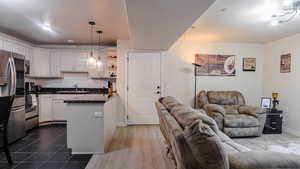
(45, 108)
(51, 108)
(58, 109)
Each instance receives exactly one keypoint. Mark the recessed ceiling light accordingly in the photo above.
(70, 41)
(274, 22)
(287, 3)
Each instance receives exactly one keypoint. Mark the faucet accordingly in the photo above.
(76, 87)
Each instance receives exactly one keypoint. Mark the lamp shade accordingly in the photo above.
(275, 95)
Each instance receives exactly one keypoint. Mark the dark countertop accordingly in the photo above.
(72, 91)
(98, 99)
(84, 101)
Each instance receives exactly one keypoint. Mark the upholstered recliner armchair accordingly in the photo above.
(233, 116)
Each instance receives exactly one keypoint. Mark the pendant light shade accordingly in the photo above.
(99, 62)
(91, 59)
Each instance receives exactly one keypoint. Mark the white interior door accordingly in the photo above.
(144, 87)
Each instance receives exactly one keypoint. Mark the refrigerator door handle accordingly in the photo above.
(13, 76)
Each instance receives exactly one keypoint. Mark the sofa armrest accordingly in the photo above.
(251, 110)
(214, 108)
(263, 160)
(216, 112)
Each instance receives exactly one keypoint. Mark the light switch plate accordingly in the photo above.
(98, 114)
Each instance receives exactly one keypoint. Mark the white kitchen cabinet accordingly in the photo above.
(55, 63)
(8, 46)
(66, 61)
(41, 62)
(74, 61)
(19, 49)
(1, 44)
(45, 108)
(58, 109)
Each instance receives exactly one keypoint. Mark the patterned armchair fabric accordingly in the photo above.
(233, 116)
(195, 142)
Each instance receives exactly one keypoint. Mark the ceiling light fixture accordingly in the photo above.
(274, 22)
(99, 62)
(92, 59)
(70, 41)
(288, 11)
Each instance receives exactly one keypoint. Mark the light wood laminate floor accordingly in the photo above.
(142, 147)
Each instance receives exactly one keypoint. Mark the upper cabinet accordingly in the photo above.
(8, 46)
(55, 65)
(74, 61)
(13, 47)
(41, 62)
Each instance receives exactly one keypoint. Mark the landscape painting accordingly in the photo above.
(215, 65)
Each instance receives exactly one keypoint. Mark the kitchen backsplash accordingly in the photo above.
(71, 79)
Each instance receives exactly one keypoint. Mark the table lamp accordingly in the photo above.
(275, 100)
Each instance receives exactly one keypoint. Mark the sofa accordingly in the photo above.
(233, 116)
(194, 141)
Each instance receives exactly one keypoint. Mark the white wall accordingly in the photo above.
(178, 72)
(122, 48)
(286, 84)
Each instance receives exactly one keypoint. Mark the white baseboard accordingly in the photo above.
(292, 131)
(122, 124)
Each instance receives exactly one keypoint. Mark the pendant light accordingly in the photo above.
(92, 59)
(99, 62)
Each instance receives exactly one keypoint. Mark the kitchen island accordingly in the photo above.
(91, 121)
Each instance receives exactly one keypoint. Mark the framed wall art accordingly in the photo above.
(249, 64)
(215, 65)
(285, 63)
(265, 102)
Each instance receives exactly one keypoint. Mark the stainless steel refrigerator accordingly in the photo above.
(12, 83)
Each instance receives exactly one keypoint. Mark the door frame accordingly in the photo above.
(127, 77)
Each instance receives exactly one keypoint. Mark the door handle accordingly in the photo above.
(13, 85)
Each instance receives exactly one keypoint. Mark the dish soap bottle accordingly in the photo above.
(110, 89)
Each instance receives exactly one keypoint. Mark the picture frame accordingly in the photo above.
(249, 64)
(266, 102)
(285, 63)
(215, 65)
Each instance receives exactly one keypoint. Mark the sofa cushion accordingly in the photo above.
(186, 115)
(231, 109)
(240, 121)
(222, 97)
(206, 146)
(226, 97)
(242, 132)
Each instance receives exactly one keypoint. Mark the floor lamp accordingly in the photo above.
(195, 92)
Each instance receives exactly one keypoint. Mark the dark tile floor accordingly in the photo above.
(44, 148)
